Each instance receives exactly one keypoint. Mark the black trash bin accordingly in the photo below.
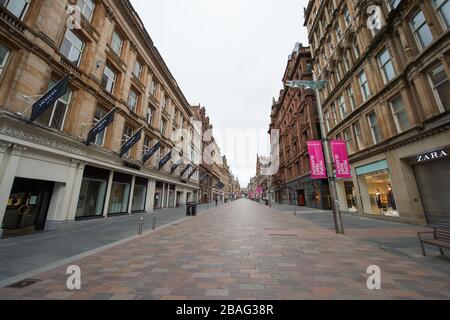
(191, 209)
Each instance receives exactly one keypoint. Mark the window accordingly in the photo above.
(337, 30)
(348, 136)
(338, 74)
(127, 134)
(162, 128)
(109, 79)
(364, 85)
(342, 108)
(351, 97)
(386, 66)
(358, 135)
(421, 30)
(133, 100)
(163, 102)
(347, 18)
(116, 43)
(392, 4)
(443, 7)
(16, 7)
(356, 50)
(4, 54)
(147, 146)
(72, 47)
(374, 128)
(86, 8)
(400, 114)
(334, 115)
(153, 88)
(137, 69)
(440, 83)
(346, 62)
(55, 116)
(149, 118)
(100, 113)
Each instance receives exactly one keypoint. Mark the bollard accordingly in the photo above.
(154, 220)
(141, 226)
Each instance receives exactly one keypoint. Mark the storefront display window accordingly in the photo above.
(139, 195)
(350, 194)
(120, 194)
(376, 190)
(93, 192)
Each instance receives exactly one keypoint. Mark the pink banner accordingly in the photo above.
(341, 162)
(317, 160)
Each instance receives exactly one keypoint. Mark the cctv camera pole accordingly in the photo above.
(316, 85)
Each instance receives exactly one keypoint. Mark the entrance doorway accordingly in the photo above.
(301, 198)
(433, 182)
(27, 207)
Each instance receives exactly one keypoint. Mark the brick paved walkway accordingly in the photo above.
(242, 250)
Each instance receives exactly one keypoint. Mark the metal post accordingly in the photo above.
(154, 220)
(141, 225)
(330, 170)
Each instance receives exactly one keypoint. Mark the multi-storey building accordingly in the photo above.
(47, 173)
(211, 186)
(295, 115)
(388, 96)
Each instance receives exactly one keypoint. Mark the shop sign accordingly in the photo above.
(341, 161)
(431, 155)
(317, 160)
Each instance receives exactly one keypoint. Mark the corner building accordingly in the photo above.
(388, 97)
(48, 175)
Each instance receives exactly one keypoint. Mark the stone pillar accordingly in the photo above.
(130, 201)
(163, 194)
(10, 157)
(175, 197)
(183, 199)
(64, 201)
(108, 193)
(150, 202)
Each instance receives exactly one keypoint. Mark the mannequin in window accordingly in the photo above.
(391, 198)
(378, 199)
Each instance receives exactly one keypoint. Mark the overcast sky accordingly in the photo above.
(230, 57)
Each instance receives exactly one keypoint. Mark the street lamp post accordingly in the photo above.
(316, 85)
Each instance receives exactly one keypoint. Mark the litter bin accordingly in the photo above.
(267, 202)
(191, 209)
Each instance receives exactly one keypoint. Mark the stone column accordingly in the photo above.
(130, 201)
(10, 157)
(108, 193)
(150, 202)
(425, 96)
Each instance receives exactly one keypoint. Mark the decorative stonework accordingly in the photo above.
(25, 135)
(5, 145)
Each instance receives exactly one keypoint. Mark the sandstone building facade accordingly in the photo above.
(47, 173)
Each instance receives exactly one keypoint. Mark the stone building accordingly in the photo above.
(47, 173)
(388, 97)
(211, 175)
(295, 115)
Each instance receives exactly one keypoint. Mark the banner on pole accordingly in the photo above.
(341, 161)
(317, 160)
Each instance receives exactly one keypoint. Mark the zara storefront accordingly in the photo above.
(410, 183)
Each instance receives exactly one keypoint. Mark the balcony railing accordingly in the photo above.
(12, 20)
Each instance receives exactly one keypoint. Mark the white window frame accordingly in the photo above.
(433, 86)
(84, 6)
(52, 115)
(137, 72)
(110, 81)
(384, 65)
(24, 9)
(342, 107)
(149, 115)
(351, 97)
(117, 45)
(364, 84)
(73, 46)
(349, 140)
(131, 99)
(372, 126)
(360, 144)
(415, 31)
(395, 113)
(126, 138)
(439, 11)
(390, 5)
(96, 120)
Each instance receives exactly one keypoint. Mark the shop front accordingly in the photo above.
(120, 194)
(27, 207)
(139, 195)
(347, 196)
(376, 191)
(310, 193)
(432, 173)
(91, 201)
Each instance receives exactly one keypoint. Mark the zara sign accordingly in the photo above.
(431, 155)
